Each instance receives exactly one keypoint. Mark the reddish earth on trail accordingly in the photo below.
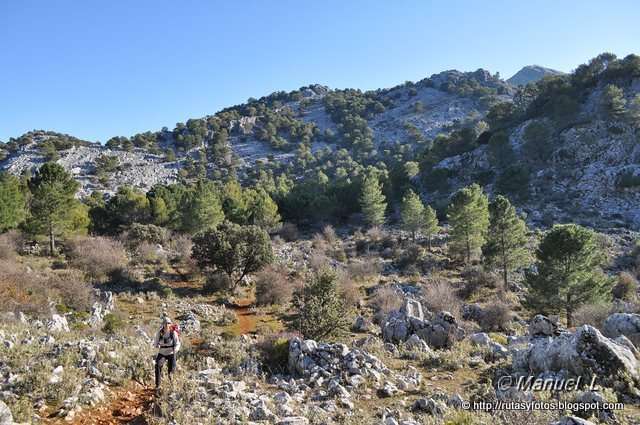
(243, 310)
(128, 407)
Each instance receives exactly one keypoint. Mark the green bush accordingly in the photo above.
(112, 323)
(628, 180)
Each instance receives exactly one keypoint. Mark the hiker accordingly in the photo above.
(168, 344)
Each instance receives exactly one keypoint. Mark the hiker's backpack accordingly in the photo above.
(176, 330)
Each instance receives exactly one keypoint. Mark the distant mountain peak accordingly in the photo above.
(530, 74)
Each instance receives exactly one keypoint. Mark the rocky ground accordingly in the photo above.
(410, 362)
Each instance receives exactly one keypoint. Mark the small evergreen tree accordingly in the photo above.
(612, 103)
(12, 202)
(201, 208)
(169, 155)
(567, 274)
(263, 211)
(372, 201)
(505, 239)
(321, 306)
(430, 223)
(412, 213)
(53, 199)
(469, 217)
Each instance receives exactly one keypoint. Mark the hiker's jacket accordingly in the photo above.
(169, 342)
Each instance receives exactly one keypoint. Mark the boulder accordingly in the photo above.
(6, 418)
(412, 308)
(585, 353)
(443, 332)
(572, 420)
(57, 324)
(623, 324)
(541, 326)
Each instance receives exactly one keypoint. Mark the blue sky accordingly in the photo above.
(101, 69)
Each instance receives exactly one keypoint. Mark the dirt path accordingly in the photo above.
(128, 407)
(243, 310)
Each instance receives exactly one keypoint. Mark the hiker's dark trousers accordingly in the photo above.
(160, 359)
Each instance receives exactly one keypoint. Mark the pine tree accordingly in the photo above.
(412, 213)
(634, 110)
(12, 202)
(52, 205)
(612, 103)
(234, 203)
(169, 155)
(567, 275)
(159, 211)
(469, 216)
(372, 201)
(201, 208)
(430, 223)
(321, 306)
(264, 212)
(505, 239)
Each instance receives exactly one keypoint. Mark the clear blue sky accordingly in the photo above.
(96, 69)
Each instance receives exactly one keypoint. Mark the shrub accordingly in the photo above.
(329, 234)
(383, 301)
(411, 256)
(273, 287)
(626, 288)
(218, 282)
(229, 334)
(363, 270)
(11, 243)
(75, 292)
(140, 233)
(317, 261)
(289, 232)
(592, 314)
(438, 295)
(350, 291)
(22, 291)
(497, 316)
(477, 278)
(274, 351)
(148, 253)
(98, 257)
(181, 246)
(112, 323)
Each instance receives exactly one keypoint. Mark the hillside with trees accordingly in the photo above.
(334, 256)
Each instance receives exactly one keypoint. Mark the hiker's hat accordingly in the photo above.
(166, 319)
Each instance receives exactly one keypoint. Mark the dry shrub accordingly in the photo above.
(375, 235)
(383, 301)
(497, 316)
(74, 290)
(181, 246)
(97, 256)
(592, 314)
(412, 256)
(626, 288)
(350, 290)
(273, 286)
(317, 261)
(148, 253)
(289, 232)
(22, 290)
(320, 243)
(476, 278)
(363, 270)
(438, 295)
(329, 234)
(10, 244)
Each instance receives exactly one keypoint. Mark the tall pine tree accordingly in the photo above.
(372, 201)
(12, 202)
(430, 223)
(568, 272)
(469, 217)
(201, 208)
(505, 239)
(412, 213)
(53, 203)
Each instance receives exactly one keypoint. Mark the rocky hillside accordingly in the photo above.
(553, 147)
(531, 74)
